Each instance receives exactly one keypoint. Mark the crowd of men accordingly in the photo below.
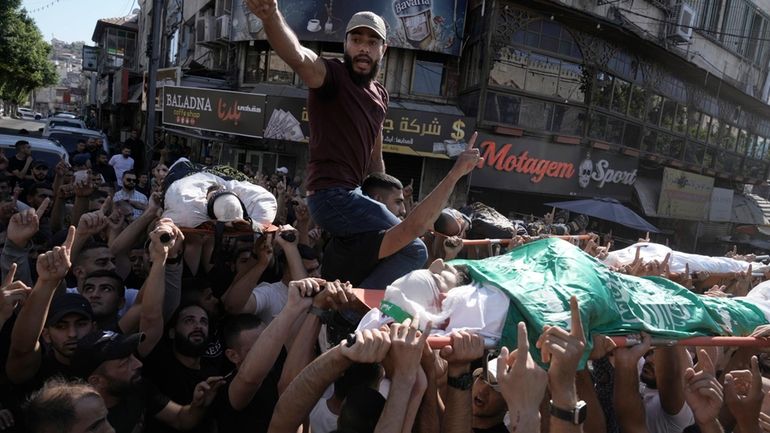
(116, 319)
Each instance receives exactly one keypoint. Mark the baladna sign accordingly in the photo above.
(214, 110)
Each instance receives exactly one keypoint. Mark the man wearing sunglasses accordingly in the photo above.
(128, 193)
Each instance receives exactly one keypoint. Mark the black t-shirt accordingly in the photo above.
(16, 164)
(352, 258)
(175, 380)
(499, 428)
(256, 416)
(130, 415)
(107, 172)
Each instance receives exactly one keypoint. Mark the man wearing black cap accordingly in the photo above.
(69, 318)
(107, 361)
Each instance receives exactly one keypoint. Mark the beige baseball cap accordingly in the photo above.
(369, 20)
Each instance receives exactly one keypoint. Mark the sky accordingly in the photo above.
(74, 20)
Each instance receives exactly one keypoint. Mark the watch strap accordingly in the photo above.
(576, 415)
(322, 314)
(462, 382)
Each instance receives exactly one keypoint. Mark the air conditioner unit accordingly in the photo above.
(223, 27)
(204, 29)
(685, 20)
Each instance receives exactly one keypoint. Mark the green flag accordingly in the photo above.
(541, 276)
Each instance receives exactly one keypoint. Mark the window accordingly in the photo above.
(470, 66)
(741, 146)
(535, 115)
(714, 131)
(278, 71)
(570, 77)
(734, 23)
(637, 103)
(603, 90)
(654, 108)
(680, 119)
(632, 135)
(254, 68)
(549, 36)
(543, 75)
(621, 95)
(649, 140)
(427, 78)
(669, 112)
(537, 73)
(502, 108)
(694, 152)
(510, 69)
(568, 120)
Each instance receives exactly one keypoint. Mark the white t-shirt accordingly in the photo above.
(658, 421)
(322, 420)
(121, 165)
(270, 299)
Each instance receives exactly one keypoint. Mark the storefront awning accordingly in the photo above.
(746, 210)
(647, 190)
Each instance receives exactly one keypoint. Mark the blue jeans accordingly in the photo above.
(344, 212)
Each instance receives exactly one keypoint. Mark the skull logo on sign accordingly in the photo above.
(584, 173)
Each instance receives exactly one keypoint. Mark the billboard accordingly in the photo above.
(530, 165)
(721, 205)
(684, 195)
(427, 25)
(90, 58)
(214, 110)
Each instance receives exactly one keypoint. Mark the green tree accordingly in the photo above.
(26, 64)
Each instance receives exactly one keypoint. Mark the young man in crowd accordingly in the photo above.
(106, 293)
(121, 163)
(136, 200)
(20, 165)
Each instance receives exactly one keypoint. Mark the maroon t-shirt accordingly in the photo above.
(345, 120)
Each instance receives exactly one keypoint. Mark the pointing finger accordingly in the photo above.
(70, 238)
(106, 206)
(577, 326)
(43, 206)
(472, 141)
(10, 275)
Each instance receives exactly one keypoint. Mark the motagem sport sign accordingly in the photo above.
(530, 165)
(214, 110)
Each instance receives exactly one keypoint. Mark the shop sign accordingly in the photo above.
(413, 132)
(164, 77)
(425, 25)
(684, 195)
(530, 165)
(214, 110)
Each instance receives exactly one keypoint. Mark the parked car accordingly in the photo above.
(57, 122)
(68, 137)
(66, 115)
(26, 113)
(43, 149)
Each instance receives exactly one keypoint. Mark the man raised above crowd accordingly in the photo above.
(346, 107)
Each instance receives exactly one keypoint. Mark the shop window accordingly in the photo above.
(680, 119)
(255, 66)
(621, 95)
(637, 103)
(632, 135)
(741, 145)
(535, 115)
(542, 75)
(654, 108)
(502, 108)
(694, 152)
(427, 78)
(668, 114)
(568, 120)
(603, 90)
(279, 71)
(570, 78)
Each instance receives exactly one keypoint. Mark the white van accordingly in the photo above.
(58, 122)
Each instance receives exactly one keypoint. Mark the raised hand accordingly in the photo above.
(370, 346)
(263, 9)
(11, 294)
(263, 249)
(463, 349)
(95, 222)
(205, 391)
(522, 381)
(563, 349)
(406, 346)
(54, 265)
(301, 293)
(165, 238)
(743, 394)
(334, 295)
(629, 356)
(292, 234)
(469, 159)
(703, 392)
(25, 224)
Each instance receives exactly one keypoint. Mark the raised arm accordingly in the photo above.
(238, 297)
(266, 349)
(25, 353)
(305, 390)
(425, 213)
(626, 399)
(464, 349)
(303, 61)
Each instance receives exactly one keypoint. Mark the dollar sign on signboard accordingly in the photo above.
(459, 130)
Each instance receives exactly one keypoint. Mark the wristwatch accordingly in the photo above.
(462, 382)
(324, 315)
(575, 415)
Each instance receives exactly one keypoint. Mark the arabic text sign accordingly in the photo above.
(214, 110)
(684, 195)
(427, 25)
(422, 131)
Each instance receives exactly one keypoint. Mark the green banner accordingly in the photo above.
(541, 276)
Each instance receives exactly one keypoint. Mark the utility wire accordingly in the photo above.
(713, 32)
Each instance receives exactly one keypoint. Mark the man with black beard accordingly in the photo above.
(346, 109)
(179, 365)
(107, 361)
